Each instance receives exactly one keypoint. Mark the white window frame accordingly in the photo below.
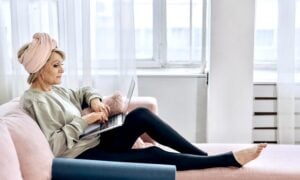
(160, 39)
(269, 64)
(159, 59)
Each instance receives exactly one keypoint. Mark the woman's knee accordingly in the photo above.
(140, 111)
(140, 115)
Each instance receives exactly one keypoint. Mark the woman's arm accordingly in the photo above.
(60, 135)
(84, 95)
(91, 98)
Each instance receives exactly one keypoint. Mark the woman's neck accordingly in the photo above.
(40, 85)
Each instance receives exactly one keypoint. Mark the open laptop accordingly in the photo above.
(114, 121)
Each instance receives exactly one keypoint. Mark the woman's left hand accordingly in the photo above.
(98, 106)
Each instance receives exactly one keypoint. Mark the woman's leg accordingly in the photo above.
(148, 103)
(158, 156)
(140, 121)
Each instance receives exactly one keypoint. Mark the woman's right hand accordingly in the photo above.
(95, 116)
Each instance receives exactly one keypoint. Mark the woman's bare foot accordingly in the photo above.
(246, 155)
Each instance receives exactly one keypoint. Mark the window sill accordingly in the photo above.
(163, 72)
(264, 76)
(269, 77)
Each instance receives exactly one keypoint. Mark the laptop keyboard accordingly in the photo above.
(111, 122)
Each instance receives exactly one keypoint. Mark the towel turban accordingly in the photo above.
(38, 52)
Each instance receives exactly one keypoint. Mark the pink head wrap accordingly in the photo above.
(38, 52)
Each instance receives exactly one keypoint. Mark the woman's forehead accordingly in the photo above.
(55, 57)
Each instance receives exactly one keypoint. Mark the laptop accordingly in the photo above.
(114, 121)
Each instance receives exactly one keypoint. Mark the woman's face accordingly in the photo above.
(53, 70)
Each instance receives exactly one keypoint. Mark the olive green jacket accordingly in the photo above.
(58, 114)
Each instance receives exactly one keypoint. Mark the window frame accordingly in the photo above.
(159, 59)
(262, 63)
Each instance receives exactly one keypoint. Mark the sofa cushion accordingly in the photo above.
(10, 167)
(277, 162)
(7, 107)
(115, 103)
(32, 148)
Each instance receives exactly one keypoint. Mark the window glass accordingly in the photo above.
(297, 19)
(143, 20)
(104, 31)
(265, 31)
(184, 30)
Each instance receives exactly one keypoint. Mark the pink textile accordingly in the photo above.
(26, 147)
(146, 102)
(38, 52)
(277, 162)
(114, 102)
(10, 167)
(35, 156)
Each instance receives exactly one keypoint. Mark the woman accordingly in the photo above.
(58, 113)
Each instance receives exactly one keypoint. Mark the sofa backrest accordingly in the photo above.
(33, 151)
(10, 167)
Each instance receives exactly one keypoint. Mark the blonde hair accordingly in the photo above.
(32, 76)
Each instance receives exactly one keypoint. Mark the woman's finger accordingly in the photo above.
(108, 109)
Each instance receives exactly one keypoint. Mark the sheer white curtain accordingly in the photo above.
(113, 44)
(288, 59)
(74, 25)
(19, 20)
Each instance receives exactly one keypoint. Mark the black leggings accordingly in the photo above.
(115, 145)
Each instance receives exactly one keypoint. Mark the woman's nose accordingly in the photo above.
(62, 70)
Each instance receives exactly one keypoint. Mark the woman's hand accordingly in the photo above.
(98, 106)
(94, 117)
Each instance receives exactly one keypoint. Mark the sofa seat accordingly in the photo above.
(26, 155)
(277, 162)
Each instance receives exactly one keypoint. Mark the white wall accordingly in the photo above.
(231, 69)
(181, 102)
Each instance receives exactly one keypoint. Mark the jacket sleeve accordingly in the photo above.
(60, 136)
(84, 95)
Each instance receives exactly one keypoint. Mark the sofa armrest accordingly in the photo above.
(78, 169)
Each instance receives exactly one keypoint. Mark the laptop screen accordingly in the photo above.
(129, 94)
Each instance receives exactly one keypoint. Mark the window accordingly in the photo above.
(297, 19)
(184, 31)
(167, 32)
(266, 26)
(103, 17)
(265, 32)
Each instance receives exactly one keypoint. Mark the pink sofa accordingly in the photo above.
(24, 151)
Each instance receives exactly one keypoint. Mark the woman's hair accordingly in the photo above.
(32, 76)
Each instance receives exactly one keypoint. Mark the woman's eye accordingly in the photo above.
(57, 65)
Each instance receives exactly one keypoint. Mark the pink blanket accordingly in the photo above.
(277, 162)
